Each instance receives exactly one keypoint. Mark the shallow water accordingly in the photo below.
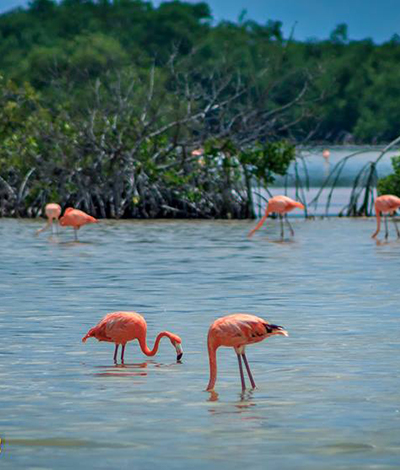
(318, 168)
(327, 397)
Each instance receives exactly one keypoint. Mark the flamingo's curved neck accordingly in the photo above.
(212, 355)
(260, 223)
(378, 221)
(151, 352)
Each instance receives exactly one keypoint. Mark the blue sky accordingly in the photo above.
(376, 19)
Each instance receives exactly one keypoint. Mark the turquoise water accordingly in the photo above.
(318, 168)
(327, 397)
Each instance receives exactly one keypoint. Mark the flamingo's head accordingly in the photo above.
(177, 344)
(276, 330)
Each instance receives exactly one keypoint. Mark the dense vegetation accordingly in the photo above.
(127, 110)
(391, 184)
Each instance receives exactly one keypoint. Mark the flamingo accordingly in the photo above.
(386, 204)
(53, 212)
(198, 152)
(281, 205)
(326, 154)
(76, 218)
(237, 331)
(121, 327)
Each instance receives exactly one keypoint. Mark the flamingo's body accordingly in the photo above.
(280, 205)
(237, 331)
(386, 204)
(53, 212)
(76, 219)
(121, 327)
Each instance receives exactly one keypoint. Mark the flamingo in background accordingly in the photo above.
(53, 212)
(121, 327)
(386, 204)
(281, 205)
(237, 331)
(76, 218)
(326, 154)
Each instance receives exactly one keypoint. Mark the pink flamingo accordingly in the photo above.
(281, 205)
(121, 327)
(53, 212)
(386, 204)
(326, 154)
(197, 152)
(237, 331)
(76, 218)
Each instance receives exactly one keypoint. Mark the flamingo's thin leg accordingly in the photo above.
(115, 353)
(397, 228)
(291, 228)
(253, 384)
(241, 373)
(281, 220)
(76, 234)
(122, 353)
(386, 228)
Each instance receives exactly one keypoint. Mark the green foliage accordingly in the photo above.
(354, 84)
(269, 159)
(339, 34)
(381, 115)
(84, 161)
(391, 184)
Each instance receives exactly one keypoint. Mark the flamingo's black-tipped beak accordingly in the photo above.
(179, 351)
(278, 330)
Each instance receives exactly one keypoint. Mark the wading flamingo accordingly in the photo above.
(237, 331)
(121, 327)
(76, 218)
(281, 205)
(326, 154)
(386, 204)
(53, 212)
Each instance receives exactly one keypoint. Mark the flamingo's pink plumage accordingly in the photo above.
(237, 331)
(76, 218)
(280, 205)
(121, 327)
(386, 204)
(53, 212)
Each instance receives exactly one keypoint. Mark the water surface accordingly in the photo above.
(318, 167)
(327, 397)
